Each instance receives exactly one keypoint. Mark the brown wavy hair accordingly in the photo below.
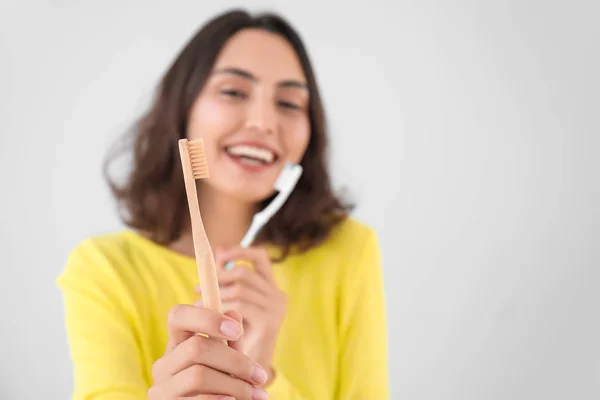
(152, 198)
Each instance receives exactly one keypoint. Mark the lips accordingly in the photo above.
(252, 154)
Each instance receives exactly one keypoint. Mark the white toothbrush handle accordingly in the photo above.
(285, 184)
(258, 222)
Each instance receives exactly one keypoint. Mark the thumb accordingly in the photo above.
(236, 344)
(220, 258)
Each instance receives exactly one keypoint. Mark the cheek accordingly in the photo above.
(296, 140)
(211, 120)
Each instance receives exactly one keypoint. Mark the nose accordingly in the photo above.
(261, 116)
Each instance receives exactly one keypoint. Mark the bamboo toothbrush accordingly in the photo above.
(194, 165)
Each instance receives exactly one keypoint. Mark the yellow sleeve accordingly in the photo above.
(363, 331)
(105, 357)
(282, 388)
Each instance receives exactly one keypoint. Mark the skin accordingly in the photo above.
(257, 92)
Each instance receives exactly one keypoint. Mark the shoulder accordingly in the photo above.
(350, 245)
(109, 246)
(359, 264)
(352, 237)
(98, 257)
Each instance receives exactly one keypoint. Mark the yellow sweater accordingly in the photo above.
(119, 287)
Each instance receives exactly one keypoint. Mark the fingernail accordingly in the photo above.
(259, 394)
(199, 303)
(226, 398)
(259, 375)
(231, 329)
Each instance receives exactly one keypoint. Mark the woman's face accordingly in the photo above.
(252, 115)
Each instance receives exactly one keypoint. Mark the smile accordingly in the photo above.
(251, 155)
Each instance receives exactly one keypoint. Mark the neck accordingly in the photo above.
(225, 220)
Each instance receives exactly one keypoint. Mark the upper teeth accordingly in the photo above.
(253, 152)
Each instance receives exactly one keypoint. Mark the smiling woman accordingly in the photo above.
(253, 106)
(304, 309)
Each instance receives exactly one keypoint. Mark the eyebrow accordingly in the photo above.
(247, 75)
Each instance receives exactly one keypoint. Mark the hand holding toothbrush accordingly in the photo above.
(194, 366)
(256, 296)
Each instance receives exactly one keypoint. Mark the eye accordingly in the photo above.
(289, 105)
(234, 93)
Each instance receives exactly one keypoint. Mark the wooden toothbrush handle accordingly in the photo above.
(209, 284)
(208, 279)
(204, 256)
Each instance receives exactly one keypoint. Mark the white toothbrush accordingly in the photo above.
(285, 184)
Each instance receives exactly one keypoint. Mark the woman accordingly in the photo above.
(304, 306)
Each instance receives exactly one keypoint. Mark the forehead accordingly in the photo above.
(266, 55)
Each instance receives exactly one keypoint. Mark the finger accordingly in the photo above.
(159, 392)
(177, 336)
(201, 380)
(199, 350)
(244, 275)
(244, 293)
(187, 320)
(237, 345)
(220, 260)
(257, 255)
(250, 312)
(247, 276)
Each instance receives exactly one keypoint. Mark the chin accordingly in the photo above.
(252, 195)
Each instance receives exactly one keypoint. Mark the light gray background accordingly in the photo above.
(466, 130)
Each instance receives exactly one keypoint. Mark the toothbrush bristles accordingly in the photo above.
(198, 159)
